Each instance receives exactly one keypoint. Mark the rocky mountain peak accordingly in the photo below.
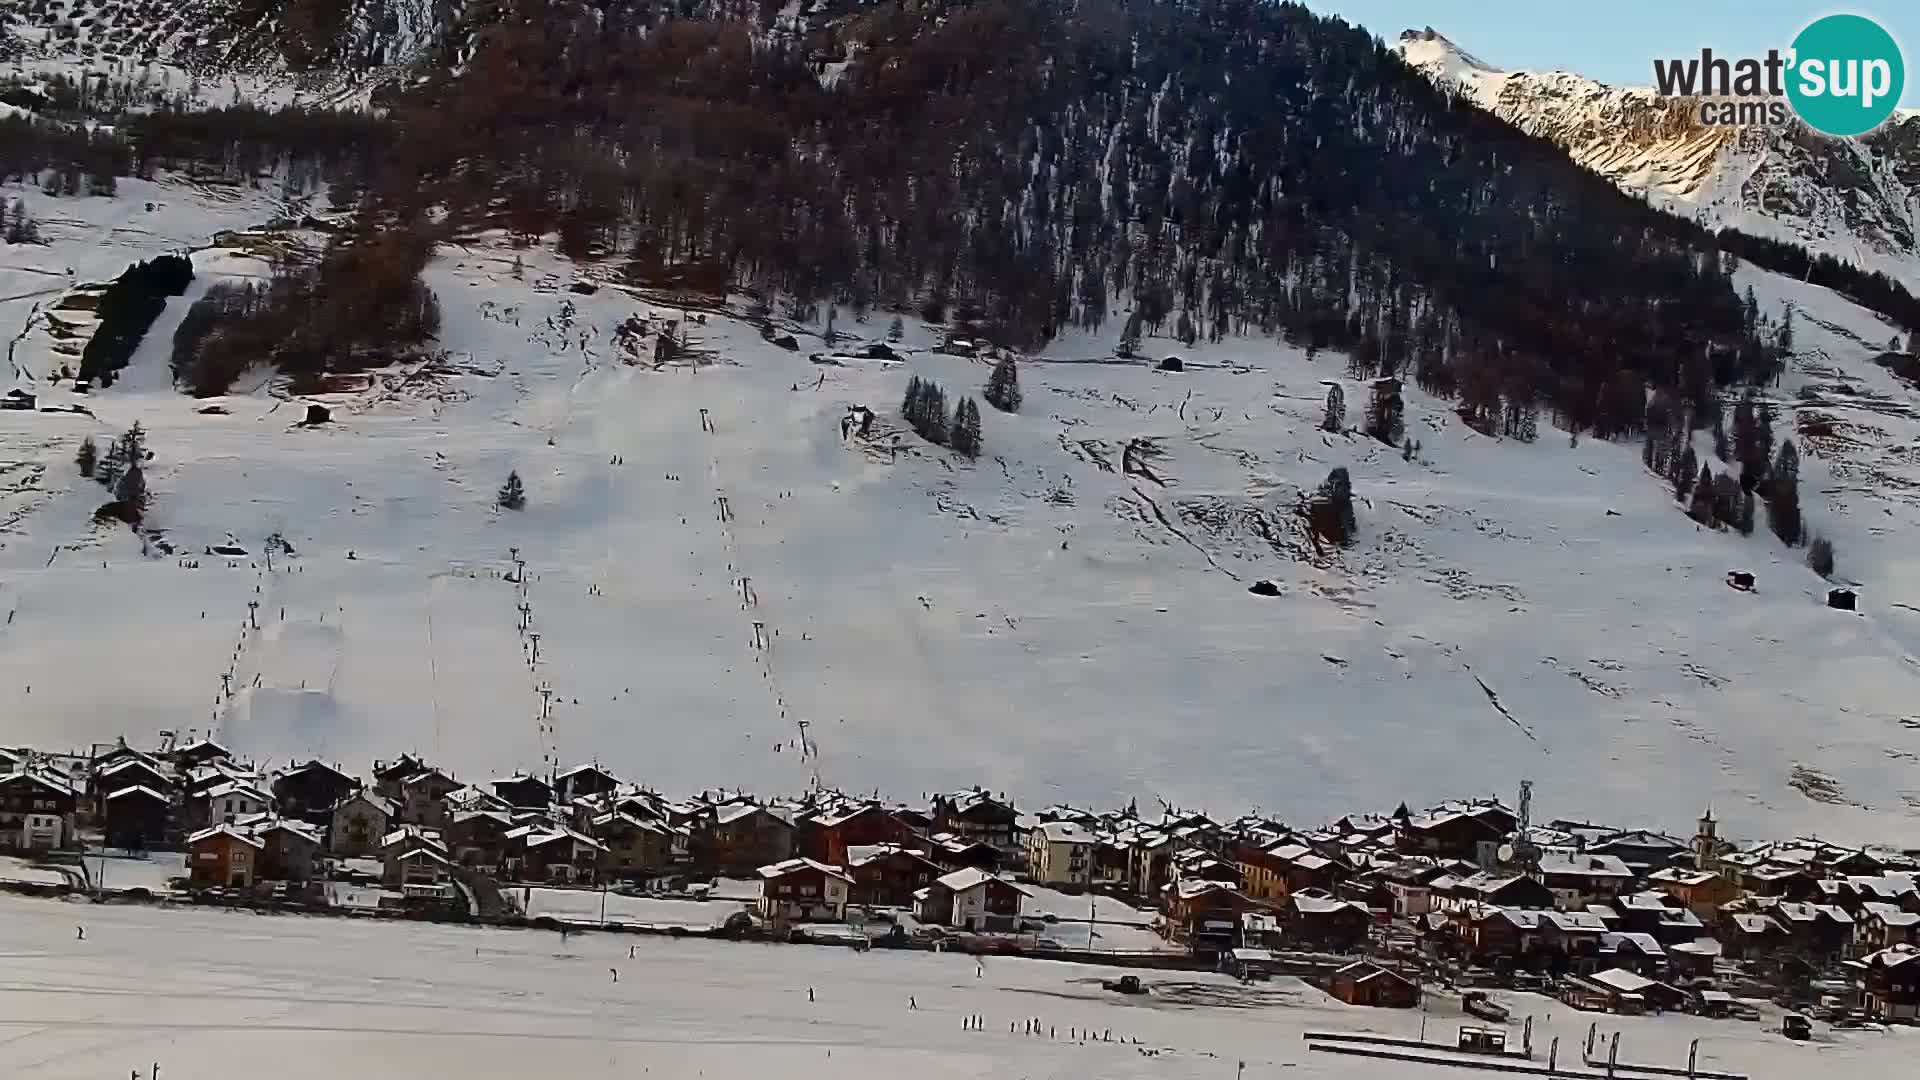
(1854, 199)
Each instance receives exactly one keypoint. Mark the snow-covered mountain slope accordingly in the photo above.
(219, 52)
(1856, 199)
(1040, 620)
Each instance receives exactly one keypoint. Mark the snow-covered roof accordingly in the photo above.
(1308, 904)
(378, 802)
(137, 789)
(1643, 838)
(1066, 832)
(1798, 912)
(1575, 864)
(547, 834)
(237, 789)
(1890, 914)
(1621, 979)
(862, 854)
(311, 765)
(1679, 876)
(264, 824)
(413, 833)
(790, 866)
(1574, 921)
(1885, 886)
(1646, 943)
(35, 776)
(1893, 956)
(732, 812)
(621, 817)
(227, 831)
(204, 746)
(973, 877)
(1253, 956)
(1705, 946)
(137, 761)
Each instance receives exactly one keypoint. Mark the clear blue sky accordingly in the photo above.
(1616, 41)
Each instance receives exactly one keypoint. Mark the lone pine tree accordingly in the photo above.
(1003, 386)
(1782, 493)
(513, 494)
(1820, 556)
(131, 491)
(1336, 415)
(88, 457)
(1330, 512)
(966, 428)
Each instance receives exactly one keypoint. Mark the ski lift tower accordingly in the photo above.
(1520, 852)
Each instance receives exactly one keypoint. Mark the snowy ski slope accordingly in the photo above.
(208, 995)
(1036, 622)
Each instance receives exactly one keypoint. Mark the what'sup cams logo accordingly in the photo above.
(1843, 75)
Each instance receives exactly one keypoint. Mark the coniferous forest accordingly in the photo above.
(1126, 168)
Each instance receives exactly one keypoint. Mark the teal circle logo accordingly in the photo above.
(1847, 75)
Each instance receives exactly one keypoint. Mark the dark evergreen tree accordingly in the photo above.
(1783, 495)
(935, 421)
(1385, 412)
(1003, 386)
(131, 491)
(896, 330)
(1330, 511)
(1701, 508)
(1745, 522)
(88, 457)
(111, 464)
(513, 494)
(1728, 498)
(1820, 556)
(965, 435)
(913, 406)
(133, 444)
(1786, 331)
(1721, 448)
(1335, 419)
(1683, 476)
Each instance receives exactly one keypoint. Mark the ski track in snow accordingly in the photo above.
(1023, 621)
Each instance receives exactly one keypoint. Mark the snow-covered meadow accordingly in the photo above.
(210, 995)
(1037, 621)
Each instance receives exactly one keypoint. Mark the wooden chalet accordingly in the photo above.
(222, 857)
(736, 839)
(827, 836)
(524, 792)
(312, 790)
(1888, 984)
(137, 817)
(359, 821)
(583, 781)
(888, 875)
(1365, 983)
(803, 890)
(970, 900)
